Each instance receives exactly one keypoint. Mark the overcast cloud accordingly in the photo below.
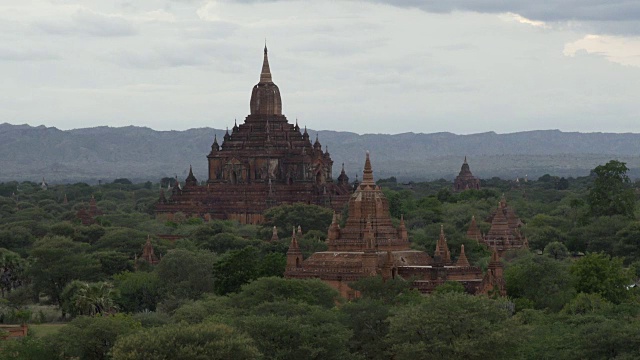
(362, 66)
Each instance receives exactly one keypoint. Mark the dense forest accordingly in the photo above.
(218, 293)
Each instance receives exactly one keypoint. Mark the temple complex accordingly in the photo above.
(465, 179)
(505, 233)
(370, 245)
(263, 162)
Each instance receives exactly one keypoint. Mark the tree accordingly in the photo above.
(543, 281)
(58, 260)
(138, 291)
(81, 298)
(308, 217)
(293, 330)
(270, 289)
(611, 193)
(394, 291)
(556, 250)
(12, 271)
(205, 341)
(452, 326)
(234, 269)
(272, 264)
(598, 273)
(91, 338)
(368, 320)
(27, 348)
(449, 287)
(187, 274)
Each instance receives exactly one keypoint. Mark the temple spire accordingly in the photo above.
(465, 159)
(265, 75)
(367, 174)
(462, 259)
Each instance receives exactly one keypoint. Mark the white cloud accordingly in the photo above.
(15, 54)
(509, 16)
(86, 22)
(621, 50)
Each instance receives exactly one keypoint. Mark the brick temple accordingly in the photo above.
(505, 232)
(465, 179)
(263, 162)
(370, 245)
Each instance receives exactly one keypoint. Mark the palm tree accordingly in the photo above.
(95, 298)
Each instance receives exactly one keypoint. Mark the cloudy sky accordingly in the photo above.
(379, 66)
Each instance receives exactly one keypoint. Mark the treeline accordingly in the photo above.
(216, 291)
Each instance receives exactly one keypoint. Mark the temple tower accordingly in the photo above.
(465, 179)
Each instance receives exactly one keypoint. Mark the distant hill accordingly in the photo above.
(138, 153)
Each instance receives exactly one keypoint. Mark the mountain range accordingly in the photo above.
(140, 154)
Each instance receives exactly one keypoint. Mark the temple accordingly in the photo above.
(465, 179)
(370, 245)
(260, 163)
(505, 232)
(88, 216)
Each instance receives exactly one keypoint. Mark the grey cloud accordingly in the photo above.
(543, 10)
(608, 16)
(87, 22)
(179, 55)
(12, 54)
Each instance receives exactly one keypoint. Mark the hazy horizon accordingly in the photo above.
(318, 130)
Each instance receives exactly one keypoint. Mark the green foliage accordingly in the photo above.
(545, 282)
(556, 250)
(187, 274)
(80, 298)
(449, 287)
(598, 273)
(308, 217)
(209, 305)
(91, 338)
(206, 341)
(393, 291)
(234, 269)
(368, 321)
(12, 271)
(138, 291)
(611, 193)
(272, 289)
(27, 348)
(58, 260)
(223, 242)
(272, 264)
(586, 304)
(452, 326)
(293, 330)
